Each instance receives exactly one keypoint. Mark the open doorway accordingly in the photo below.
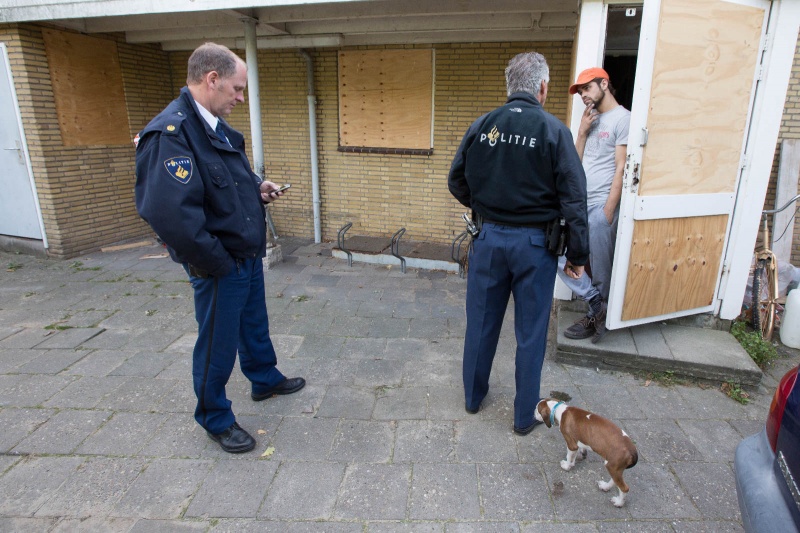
(623, 26)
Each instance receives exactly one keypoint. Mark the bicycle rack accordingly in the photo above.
(340, 242)
(455, 252)
(396, 248)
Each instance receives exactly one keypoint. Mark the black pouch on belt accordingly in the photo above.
(556, 236)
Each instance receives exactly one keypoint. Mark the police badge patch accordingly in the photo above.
(179, 168)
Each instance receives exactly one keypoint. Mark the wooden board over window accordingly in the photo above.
(87, 87)
(386, 99)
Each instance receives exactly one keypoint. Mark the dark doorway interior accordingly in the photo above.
(622, 46)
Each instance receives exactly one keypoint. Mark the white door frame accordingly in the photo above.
(6, 64)
(784, 24)
(763, 131)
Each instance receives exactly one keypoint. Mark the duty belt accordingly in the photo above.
(537, 225)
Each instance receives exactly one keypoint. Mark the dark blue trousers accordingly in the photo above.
(508, 260)
(231, 314)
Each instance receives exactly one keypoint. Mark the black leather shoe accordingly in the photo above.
(234, 439)
(287, 386)
(526, 430)
(472, 411)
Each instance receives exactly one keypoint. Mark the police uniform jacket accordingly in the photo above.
(517, 165)
(197, 192)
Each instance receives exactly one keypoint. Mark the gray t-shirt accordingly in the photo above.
(608, 131)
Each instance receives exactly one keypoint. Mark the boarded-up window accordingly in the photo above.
(87, 87)
(386, 99)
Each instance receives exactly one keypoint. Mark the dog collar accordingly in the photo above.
(553, 413)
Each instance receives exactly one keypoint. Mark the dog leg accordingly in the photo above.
(619, 501)
(569, 462)
(605, 486)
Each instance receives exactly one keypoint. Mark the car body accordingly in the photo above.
(767, 465)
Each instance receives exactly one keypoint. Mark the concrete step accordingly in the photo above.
(691, 352)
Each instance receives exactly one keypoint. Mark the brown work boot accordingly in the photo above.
(582, 329)
(600, 329)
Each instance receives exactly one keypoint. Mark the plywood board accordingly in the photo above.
(701, 89)
(386, 98)
(674, 265)
(88, 90)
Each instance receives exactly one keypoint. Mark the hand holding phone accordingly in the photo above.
(283, 188)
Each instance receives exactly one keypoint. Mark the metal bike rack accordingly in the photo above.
(455, 253)
(340, 242)
(396, 248)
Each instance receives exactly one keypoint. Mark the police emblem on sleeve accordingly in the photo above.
(179, 168)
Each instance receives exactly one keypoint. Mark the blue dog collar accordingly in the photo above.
(553, 413)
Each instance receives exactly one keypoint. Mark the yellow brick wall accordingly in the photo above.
(86, 193)
(378, 193)
(790, 129)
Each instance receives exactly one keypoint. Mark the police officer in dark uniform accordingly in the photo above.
(195, 188)
(517, 169)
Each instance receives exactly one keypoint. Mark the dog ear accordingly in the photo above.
(544, 412)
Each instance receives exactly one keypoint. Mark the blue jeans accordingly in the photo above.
(231, 313)
(508, 260)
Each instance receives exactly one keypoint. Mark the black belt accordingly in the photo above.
(536, 225)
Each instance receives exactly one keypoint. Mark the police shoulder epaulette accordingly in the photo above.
(171, 124)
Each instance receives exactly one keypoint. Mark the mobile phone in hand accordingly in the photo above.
(281, 189)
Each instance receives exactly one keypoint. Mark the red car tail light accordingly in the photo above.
(778, 405)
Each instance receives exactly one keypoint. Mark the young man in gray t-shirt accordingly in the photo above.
(602, 143)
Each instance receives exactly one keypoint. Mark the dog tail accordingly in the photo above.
(634, 459)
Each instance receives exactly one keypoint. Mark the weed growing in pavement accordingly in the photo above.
(665, 379)
(301, 298)
(13, 267)
(77, 266)
(735, 392)
(57, 327)
(760, 351)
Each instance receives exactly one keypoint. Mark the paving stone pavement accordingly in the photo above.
(97, 434)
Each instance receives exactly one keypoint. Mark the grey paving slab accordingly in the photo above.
(424, 441)
(93, 489)
(303, 490)
(144, 364)
(270, 526)
(52, 361)
(163, 490)
(68, 338)
(363, 441)
(6, 332)
(139, 394)
(169, 526)
(649, 339)
(19, 423)
(32, 482)
(374, 492)
(354, 403)
(26, 525)
(26, 338)
(123, 434)
(485, 527)
(27, 390)
(711, 486)
(12, 359)
(485, 441)
(93, 524)
(716, 440)
(401, 403)
(99, 362)
(179, 437)
(661, 440)
(514, 492)
(377, 373)
(299, 438)
(215, 497)
(656, 493)
(62, 432)
(86, 392)
(444, 491)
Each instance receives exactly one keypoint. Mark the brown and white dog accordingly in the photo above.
(585, 431)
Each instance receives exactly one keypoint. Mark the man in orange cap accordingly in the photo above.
(602, 145)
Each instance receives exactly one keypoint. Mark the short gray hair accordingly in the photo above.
(526, 72)
(208, 57)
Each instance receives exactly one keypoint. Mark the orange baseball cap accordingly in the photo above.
(586, 76)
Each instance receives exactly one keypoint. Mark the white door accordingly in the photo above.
(19, 207)
(695, 83)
